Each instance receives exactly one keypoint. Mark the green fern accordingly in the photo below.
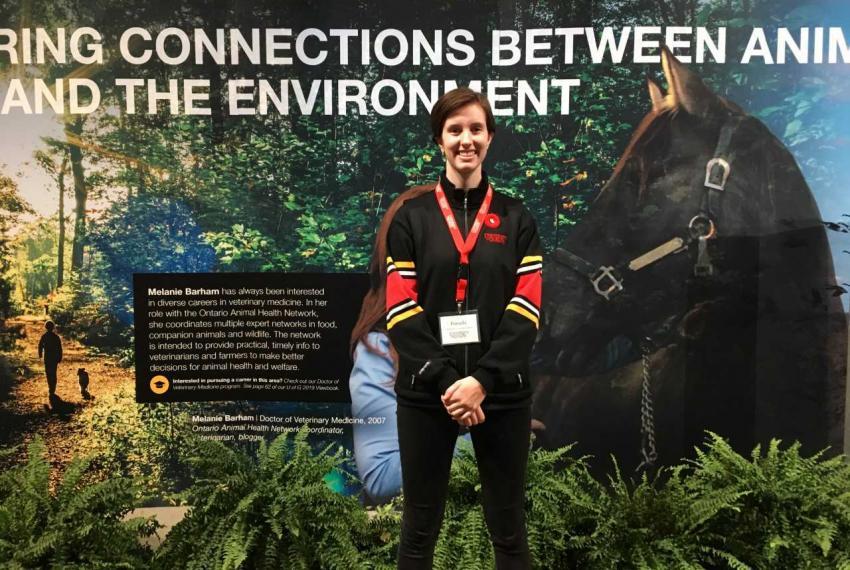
(80, 526)
(268, 511)
(773, 509)
(789, 511)
(384, 531)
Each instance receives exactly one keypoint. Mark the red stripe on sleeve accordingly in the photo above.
(400, 289)
(530, 285)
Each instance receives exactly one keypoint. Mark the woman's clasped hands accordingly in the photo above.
(463, 401)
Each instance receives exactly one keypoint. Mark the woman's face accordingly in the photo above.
(465, 139)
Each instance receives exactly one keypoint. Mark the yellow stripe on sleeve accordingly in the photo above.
(522, 311)
(405, 315)
(405, 264)
(531, 259)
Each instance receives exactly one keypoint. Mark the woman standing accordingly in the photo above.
(463, 298)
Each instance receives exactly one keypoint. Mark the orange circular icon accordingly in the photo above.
(160, 384)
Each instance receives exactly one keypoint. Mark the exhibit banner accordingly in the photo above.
(191, 195)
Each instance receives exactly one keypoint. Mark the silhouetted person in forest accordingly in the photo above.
(50, 346)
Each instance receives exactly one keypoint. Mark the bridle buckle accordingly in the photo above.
(615, 285)
(724, 175)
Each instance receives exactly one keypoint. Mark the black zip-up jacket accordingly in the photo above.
(504, 286)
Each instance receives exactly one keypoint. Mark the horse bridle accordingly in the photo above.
(608, 280)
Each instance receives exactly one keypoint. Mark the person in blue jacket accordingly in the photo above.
(372, 380)
(373, 400)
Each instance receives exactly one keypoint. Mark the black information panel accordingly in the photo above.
(245, 336)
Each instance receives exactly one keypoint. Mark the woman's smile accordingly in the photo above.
(464, 141)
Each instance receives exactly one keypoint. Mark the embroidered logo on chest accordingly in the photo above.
(492, 221)
(500, 239)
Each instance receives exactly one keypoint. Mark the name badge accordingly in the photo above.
(459, 328)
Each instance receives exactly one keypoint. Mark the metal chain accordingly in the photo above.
(647, 414)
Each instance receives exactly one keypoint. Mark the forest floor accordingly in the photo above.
(24, 412)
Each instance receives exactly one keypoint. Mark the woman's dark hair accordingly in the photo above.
(453, 100)
(374, 306)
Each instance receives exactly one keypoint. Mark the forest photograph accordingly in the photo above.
(88, 199)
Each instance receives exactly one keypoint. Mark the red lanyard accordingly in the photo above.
(464, 248)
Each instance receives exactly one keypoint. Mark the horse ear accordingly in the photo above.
(685, 88)
(655, 94)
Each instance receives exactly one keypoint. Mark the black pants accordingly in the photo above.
(50, 372)
(427, 438)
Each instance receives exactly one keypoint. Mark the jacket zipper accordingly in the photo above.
(421, 372)
(469, 278)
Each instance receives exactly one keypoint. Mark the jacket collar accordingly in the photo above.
(456, 195)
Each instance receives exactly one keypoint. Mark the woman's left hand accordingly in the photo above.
(463, 397)
(476, 418)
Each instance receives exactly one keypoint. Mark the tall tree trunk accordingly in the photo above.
(80, 195)
(142, 188)
(215, 18)
(20, 70)
(60, 255)
(664, 11)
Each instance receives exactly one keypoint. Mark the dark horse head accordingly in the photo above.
(702, 266)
